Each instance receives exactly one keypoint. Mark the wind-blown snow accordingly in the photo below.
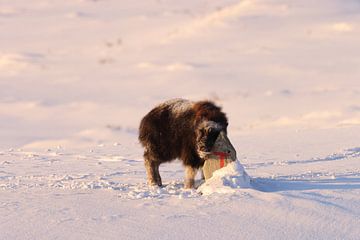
(76, 77)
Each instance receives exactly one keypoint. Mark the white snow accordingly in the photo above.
(77, 76)
(226, 180)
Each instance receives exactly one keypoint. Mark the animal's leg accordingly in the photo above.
(152, 171)
(202, 174)
(190, 173)
(157, 175)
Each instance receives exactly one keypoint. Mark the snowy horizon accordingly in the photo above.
(77, 76)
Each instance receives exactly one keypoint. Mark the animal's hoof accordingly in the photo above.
(189, 183)
(154, 184)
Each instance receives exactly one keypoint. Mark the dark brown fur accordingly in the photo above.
(168, 133)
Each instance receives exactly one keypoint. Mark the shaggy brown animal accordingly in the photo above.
(180, 129)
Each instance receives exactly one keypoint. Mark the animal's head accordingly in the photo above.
(210, 121)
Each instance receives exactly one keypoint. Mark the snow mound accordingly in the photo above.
(226, 180)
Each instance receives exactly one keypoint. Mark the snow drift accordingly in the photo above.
(226, 180)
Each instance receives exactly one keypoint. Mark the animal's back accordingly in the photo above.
(162, 125)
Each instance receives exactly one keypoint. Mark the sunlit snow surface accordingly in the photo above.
(226, 180)
(76, 77)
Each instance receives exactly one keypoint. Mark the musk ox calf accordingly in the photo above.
(180, 129)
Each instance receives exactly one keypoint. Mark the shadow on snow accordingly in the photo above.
(278, 185)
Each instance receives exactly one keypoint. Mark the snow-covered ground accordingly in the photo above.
(76, 76)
